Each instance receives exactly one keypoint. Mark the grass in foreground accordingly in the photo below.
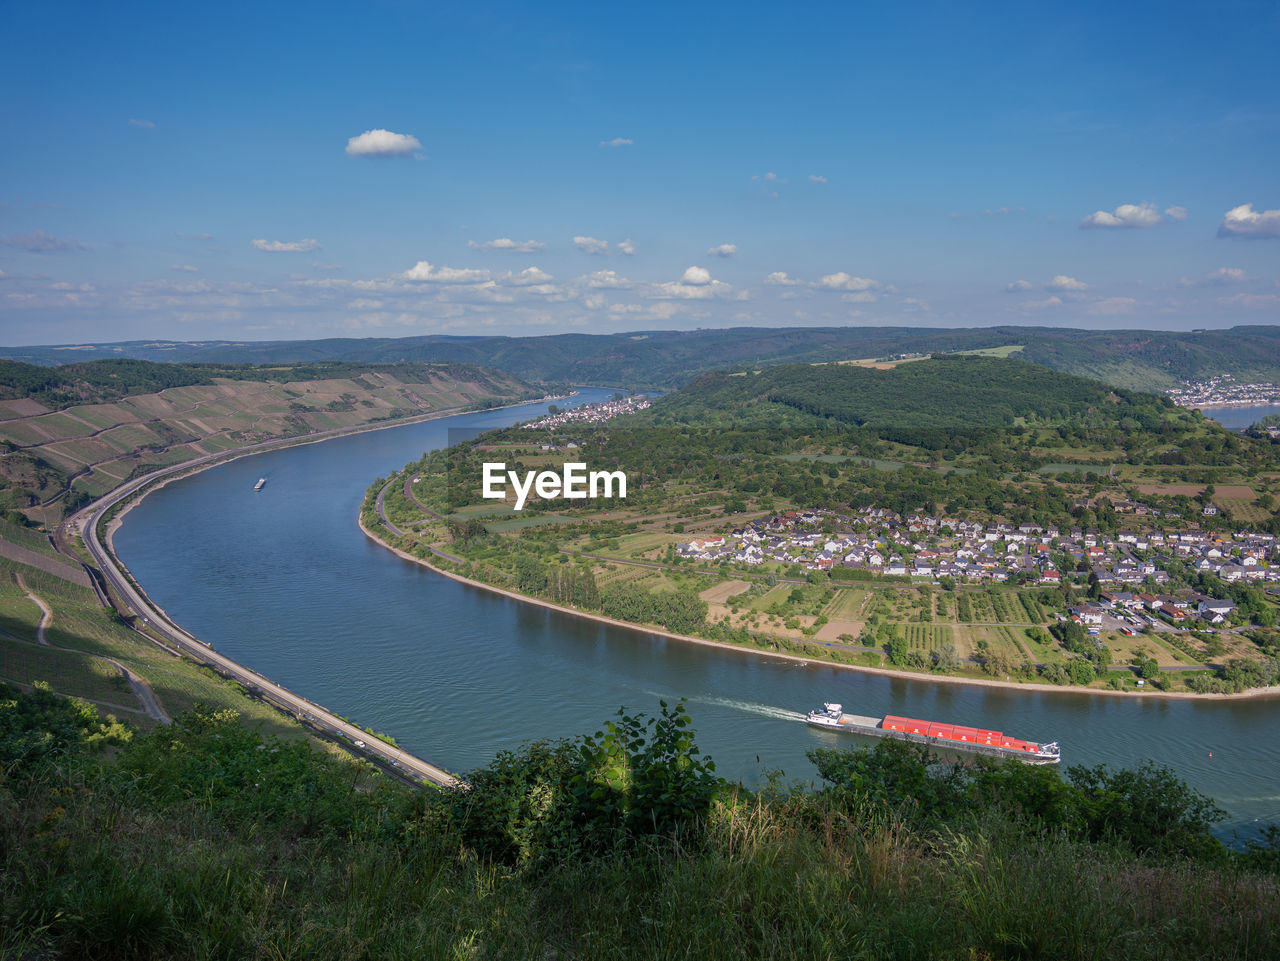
(204, 840)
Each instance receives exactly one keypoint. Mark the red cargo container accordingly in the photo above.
(892, 723)
(993, 735)
(961, 733)
(940, 730)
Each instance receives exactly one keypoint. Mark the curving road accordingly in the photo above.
(396, 761)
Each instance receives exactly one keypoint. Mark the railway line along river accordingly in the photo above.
(284, 581)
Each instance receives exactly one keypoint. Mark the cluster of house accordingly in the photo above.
(1223, 391)
(929, 548)
(591, 413)
(1181, 607)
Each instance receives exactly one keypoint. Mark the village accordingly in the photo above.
(591, 413)
(1128, 569)
(1223, 391)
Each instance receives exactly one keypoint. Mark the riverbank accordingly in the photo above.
(1263, 692)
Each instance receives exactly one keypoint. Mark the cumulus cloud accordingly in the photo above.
(723, 250)
(1016, 285)
(1244, 221)
(1124, 216)
(627, 247)
(606, 278)
(1063, 282)
(1111, 306)
(779, 278)
(38, 242)
(425, 272)
(696, 276)
(506, 243)
(842, 281)
(144, 124)
(1217, 278)
(382, 143)
(817, 179)
(1041, 304)
(1176, 213)
(186, 268)
(527, 277)
(617, 142)
(1255, 301)
(285, 246)
(591, 245)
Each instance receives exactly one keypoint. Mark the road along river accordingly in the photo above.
(283, 581)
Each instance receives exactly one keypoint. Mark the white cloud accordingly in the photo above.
(188, 268)
(1016, 285)
(1251, 300)
(1111, 306)
(1217, 278)
(506, 243)
(426, 272)
(591, 245)
(1126, 215)
(144, 124)
(382, 143)
(779, 278)
(696, 276)
(1244, 221)
(606, 278)
(627, 247)
(1063, 282)
(817, 179)
(1176, 213)
(1041, 304)
(862, 297)
(617, 142)
(38, 242)
(327, 266)
(526, 278)
(361, 303)
(723, 250)
(842, 281)
(285, 246)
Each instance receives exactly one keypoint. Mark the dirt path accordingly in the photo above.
(141, 689)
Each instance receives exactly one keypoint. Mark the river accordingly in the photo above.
(284, 581)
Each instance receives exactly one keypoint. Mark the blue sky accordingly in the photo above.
(278, 171)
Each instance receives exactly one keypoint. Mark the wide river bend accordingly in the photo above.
(284, 581)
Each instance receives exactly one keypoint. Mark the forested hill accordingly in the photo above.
(104, 381)
(1137, 359)
(924, 402)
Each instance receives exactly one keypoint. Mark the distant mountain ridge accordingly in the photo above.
(1137, 359)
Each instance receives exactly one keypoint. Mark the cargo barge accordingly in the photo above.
(262, 482)
(951, 737)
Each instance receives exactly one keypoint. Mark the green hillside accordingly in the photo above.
(930, 403)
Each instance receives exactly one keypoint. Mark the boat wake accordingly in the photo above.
(748, 707)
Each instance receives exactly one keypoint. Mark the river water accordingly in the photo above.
(284, 581)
